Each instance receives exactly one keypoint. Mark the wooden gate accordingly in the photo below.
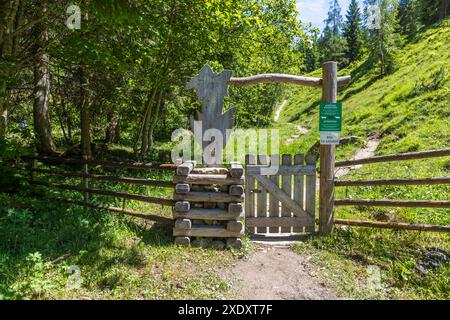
(280, 201)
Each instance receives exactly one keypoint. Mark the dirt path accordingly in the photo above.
(300, 131)
(277, 273)
(367, 151)
(278, 112)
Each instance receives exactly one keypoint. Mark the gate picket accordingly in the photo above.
(262, 197)
(299, 185)
(310, 204)
(274, 207)
(250, 159)
(286, 185)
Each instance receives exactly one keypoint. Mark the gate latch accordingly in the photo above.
(256, 191)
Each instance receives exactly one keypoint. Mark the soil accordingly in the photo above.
(277, 273)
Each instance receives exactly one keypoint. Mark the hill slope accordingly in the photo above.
(408, 111)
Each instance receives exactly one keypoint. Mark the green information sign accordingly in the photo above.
(330, 117)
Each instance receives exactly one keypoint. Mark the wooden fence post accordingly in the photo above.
(327, 154)
(85, 172)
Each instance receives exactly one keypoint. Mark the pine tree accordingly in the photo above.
(333, 43)
(383, 40)
(433, 10)
(407, 17)
(310, 49)
(352, 31)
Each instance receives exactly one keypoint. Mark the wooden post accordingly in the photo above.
(327, 154)
(85, 171)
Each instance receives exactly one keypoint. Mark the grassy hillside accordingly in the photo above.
(409, 111)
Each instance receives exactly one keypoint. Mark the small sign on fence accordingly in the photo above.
(330, 125)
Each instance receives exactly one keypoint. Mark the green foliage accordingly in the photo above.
(408, 110)
(333, 44)
(353, 31)
(383, 42)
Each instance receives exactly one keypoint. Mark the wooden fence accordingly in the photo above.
(282, 201)
(392, 203)
(85, 176)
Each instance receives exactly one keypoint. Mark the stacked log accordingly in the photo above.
(209, 206)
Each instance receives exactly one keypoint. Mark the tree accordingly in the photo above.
(333, 43)
(352, 31)
(433, 10)
(407, 17)
(310, 47)
(10, 17)
(42, 124)
(383, 41)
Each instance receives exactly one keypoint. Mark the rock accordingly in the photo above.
(385, 215)
(431, 259)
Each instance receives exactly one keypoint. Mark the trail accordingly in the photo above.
(300, 131)
(367, 151)
(278, 112)
(277, 273)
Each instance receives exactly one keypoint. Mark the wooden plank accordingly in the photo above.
(299, 185)
(393, 225)
(236, 170)
(106, 164)
(280, 195)
(285, 78)
(310, 198)
(207, 214)
(145, 182)
(122, 195)
(208, 232)
(235, 208)
(250, 159)
(182, 188)
(132, 213)
(186, 168)
(208, 179)
(392, 182)
(274, 205)
(396, 157)
(236, 190)
(393, 203)
(284, 170)
(183, 224)
(235, 226)
(208, 197)
(284, 222)
(327, 154)
(182, 206)
(262, 196)
(286, 186)
(211, 170)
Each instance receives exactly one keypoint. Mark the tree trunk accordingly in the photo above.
(146, 122)
(41, 104)
(8, 13)
(113, 129)
(84, 114)
(154, 120)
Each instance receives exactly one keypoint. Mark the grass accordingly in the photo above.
(409, 111)
(119, 257)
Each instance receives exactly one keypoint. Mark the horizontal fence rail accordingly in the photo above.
(135, 181)
(393, 203)
(395, 157)
(391, 182)
(392, 225)
(285, 78)
(122, 195)
(106, 164)
(86, 177)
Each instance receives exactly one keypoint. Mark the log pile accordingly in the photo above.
(209, 206)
